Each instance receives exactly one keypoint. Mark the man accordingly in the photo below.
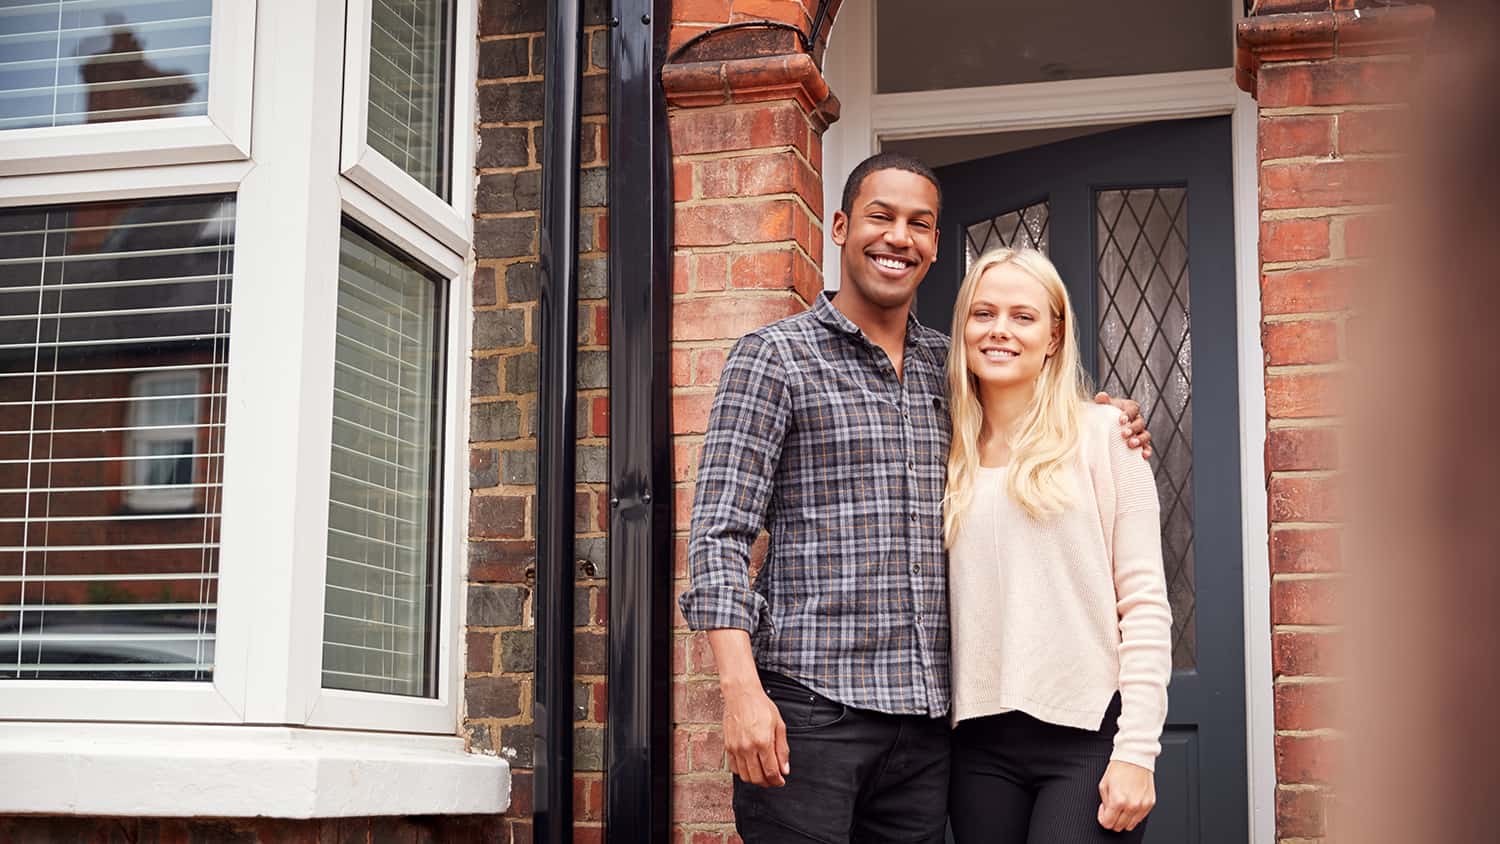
(830, 430)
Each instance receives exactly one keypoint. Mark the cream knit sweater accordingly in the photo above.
(1052, 616)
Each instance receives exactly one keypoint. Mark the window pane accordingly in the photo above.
(114, 333)
(64, 62)
(380, 603)
(411, 86)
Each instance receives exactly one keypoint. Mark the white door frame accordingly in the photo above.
(869, 118)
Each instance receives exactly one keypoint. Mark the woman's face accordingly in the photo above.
(1010, 330)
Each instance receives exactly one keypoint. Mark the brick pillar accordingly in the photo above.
(501, 634)
(748, 109)
(1331, 79)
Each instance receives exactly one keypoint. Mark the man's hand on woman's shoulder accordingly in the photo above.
(1132, 426)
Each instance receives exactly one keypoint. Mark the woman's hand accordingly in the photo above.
(1127, 793)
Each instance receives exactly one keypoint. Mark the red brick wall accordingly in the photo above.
(747, 243)
(1331, 87)
(747, 174)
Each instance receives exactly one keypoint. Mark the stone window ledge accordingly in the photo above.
(154, 770)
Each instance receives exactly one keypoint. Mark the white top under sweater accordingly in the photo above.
(1052, 616)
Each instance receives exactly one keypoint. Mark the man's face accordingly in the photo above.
(889, 238)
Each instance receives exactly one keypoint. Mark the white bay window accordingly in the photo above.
(232, 389)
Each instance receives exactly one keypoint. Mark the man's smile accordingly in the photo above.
(892, 266)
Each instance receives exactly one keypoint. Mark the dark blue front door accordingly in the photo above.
(1139, 222)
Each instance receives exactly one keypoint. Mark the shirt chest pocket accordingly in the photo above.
(932, 429)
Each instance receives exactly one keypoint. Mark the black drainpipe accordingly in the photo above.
(556, 454)
(639, 739)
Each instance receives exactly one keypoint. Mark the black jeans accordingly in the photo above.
(1017, 780)
(858, 777)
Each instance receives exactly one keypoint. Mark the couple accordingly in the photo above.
(1008, 583)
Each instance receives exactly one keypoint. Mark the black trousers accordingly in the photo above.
(858, 777)
(1017, 780)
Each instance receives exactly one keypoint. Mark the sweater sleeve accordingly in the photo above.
(1145, 616)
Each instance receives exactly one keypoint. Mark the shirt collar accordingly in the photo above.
(834, 318)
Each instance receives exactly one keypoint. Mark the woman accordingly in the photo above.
(1061, 627)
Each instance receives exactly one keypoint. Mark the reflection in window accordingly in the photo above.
(379, 622)
(65, 62)
(411, 88)
(161, 443)
(114, 331)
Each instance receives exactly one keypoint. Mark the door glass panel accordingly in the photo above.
(1020, 228)
(1146, 352)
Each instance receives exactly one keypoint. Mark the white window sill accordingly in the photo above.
(151, 770)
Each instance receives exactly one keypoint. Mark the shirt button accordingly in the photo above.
(916, 568)
(914, 515)
(919, 619)
(912, 466)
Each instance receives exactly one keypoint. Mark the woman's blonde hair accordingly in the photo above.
(1046, 436)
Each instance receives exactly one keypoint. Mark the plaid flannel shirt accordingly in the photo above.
(814, 438)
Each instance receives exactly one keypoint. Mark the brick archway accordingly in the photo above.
(740, 29)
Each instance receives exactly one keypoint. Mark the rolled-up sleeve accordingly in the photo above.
(736, 473)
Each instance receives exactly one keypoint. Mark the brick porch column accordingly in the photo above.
(1330, 78)
(748, 109)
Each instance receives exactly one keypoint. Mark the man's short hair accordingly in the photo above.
(886, 161)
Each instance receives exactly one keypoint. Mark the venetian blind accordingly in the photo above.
(411, 87)
(379, 605)
(65, 62)
(114, 331)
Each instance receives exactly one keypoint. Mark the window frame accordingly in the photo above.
(223, 134)
(278, 427)
(220, 701)
(449, 221)
(376, 710)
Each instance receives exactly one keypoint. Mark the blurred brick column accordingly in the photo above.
(1331, 79)
(748, 109)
